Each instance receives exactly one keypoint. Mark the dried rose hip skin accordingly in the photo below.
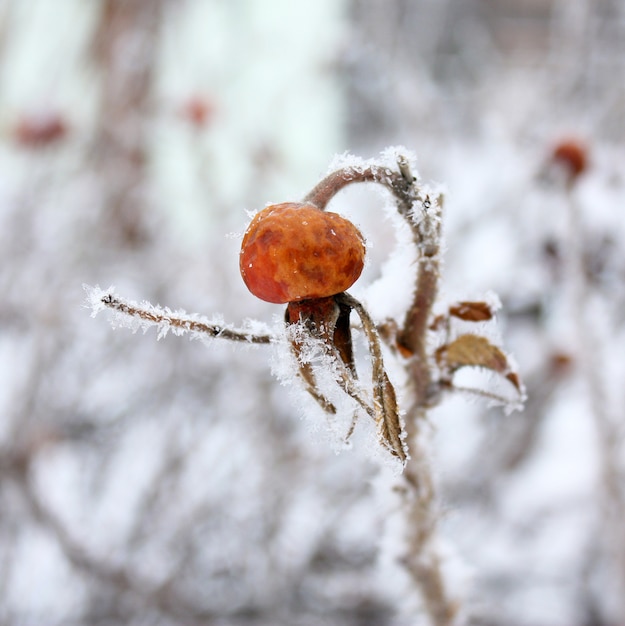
(295, 251)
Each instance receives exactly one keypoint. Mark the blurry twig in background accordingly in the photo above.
(125, 49)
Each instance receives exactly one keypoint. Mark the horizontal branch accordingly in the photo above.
(145, 315)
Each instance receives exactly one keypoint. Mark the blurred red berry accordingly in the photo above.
(572, 156)
(198, 111)
(36, 130)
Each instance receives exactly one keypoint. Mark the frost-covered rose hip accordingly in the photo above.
(295, 251)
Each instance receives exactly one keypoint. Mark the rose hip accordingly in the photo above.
(294, 251)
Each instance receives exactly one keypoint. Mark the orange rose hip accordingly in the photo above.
(294, 251)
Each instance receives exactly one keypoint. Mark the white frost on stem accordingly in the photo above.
(144, 315)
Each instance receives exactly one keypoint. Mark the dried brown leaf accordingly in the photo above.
(475, 351)
(472, 311)
(387, 416)
(385, 410)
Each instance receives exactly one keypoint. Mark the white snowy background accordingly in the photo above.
(171, 482)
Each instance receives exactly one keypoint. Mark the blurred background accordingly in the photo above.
(146, 482)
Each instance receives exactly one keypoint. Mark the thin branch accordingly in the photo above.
(327, 188)
(400, 184)
(178, 321)
(413, 335)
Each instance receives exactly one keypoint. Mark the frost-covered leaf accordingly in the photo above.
(475, 351)
(385, 410)
(390, 427)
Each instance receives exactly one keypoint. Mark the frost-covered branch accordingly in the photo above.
(414, 201)
(142, 316)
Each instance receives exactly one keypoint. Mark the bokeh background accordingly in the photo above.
(168, 482)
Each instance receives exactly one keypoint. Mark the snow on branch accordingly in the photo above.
(142, 316)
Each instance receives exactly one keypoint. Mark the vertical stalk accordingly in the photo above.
(418, 495)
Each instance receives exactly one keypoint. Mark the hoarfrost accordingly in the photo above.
(95, 298)
(389, 157)
(346, 160)
(142, 316)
